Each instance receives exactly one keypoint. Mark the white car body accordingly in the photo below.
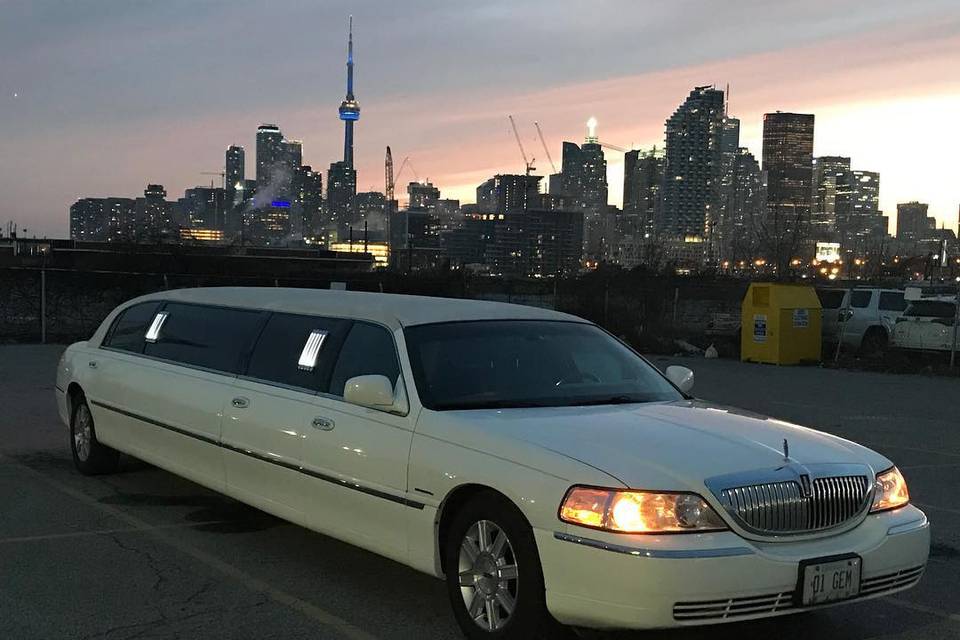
(382, 481)
(918, 330)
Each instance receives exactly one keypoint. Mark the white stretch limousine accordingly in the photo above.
(547, 471)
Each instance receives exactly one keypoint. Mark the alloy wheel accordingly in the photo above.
(488, 575)
(82, 433)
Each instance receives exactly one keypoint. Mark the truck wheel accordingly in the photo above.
(89, 456)
(874, 342)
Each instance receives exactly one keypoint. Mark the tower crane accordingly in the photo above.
(221, 173)
(527, 163)
(544, 143)
(612, 146)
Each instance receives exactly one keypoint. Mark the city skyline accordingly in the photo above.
(457, 133)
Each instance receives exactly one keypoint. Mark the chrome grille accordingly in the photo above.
(783, 508)
(891, 581)
(771, 604)
(733, 608)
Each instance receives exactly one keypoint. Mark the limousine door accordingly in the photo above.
(175, 393)
(355, 458)
(269, 411)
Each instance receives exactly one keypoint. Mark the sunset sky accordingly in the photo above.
(99, 98)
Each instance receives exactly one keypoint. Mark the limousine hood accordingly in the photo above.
(669, 446)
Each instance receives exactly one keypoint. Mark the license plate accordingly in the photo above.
(829, 580)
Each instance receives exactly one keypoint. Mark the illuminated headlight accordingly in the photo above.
(624, 511)
(890, 491)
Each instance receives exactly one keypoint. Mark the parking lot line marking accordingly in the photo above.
(922, 608)
(107, 532)
(309, 610)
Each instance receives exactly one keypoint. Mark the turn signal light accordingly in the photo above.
(890, 491)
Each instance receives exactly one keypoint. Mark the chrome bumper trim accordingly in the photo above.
(655, 553)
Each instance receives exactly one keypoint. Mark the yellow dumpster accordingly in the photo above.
(780, 324)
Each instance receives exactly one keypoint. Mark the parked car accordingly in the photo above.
(927, 324)
(862, 318)
(546, 471)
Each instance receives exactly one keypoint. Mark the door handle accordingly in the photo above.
(92, 364)
(324, 424)
(240, 403)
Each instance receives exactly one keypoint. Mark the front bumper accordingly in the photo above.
(594, 579)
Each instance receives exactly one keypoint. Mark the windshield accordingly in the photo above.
(519, 363)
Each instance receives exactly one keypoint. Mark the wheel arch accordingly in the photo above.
(74, 394)
(875, 329)
(452, 503)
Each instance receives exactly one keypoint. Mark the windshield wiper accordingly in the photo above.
(492, 404)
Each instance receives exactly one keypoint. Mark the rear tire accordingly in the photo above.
(874, 342)
(494, 579)
(89, 456)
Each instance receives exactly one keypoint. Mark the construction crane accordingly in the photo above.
(403, 165)
(527, 163)
(544, 143)
(612, 146)
(388, 170)
(222, 174)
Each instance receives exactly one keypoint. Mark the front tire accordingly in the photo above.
(89, 456)
(494, 579)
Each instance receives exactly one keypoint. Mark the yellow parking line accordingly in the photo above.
(309, 610)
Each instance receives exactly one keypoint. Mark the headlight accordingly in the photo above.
(625, 511)
(890, 491)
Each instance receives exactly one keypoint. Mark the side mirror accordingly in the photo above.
(376, 392)
(680, 376)
(372, 391)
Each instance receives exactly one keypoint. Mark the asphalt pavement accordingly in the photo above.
(145, 554)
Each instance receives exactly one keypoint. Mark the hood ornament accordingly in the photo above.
(786, 450)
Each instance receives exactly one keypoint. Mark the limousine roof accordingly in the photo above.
(386, 308)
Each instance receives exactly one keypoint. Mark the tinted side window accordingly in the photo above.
(209, 337)
(130, 327)
(830, 298)
(368, 349)
(892, 301)
(931, 309)
(860, 299)
(282, 354)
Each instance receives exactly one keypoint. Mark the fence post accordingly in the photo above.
(676, 302)
(43, 306)
(606, 306)
(956, 322)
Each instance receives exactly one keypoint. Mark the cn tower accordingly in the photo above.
(349, 108)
